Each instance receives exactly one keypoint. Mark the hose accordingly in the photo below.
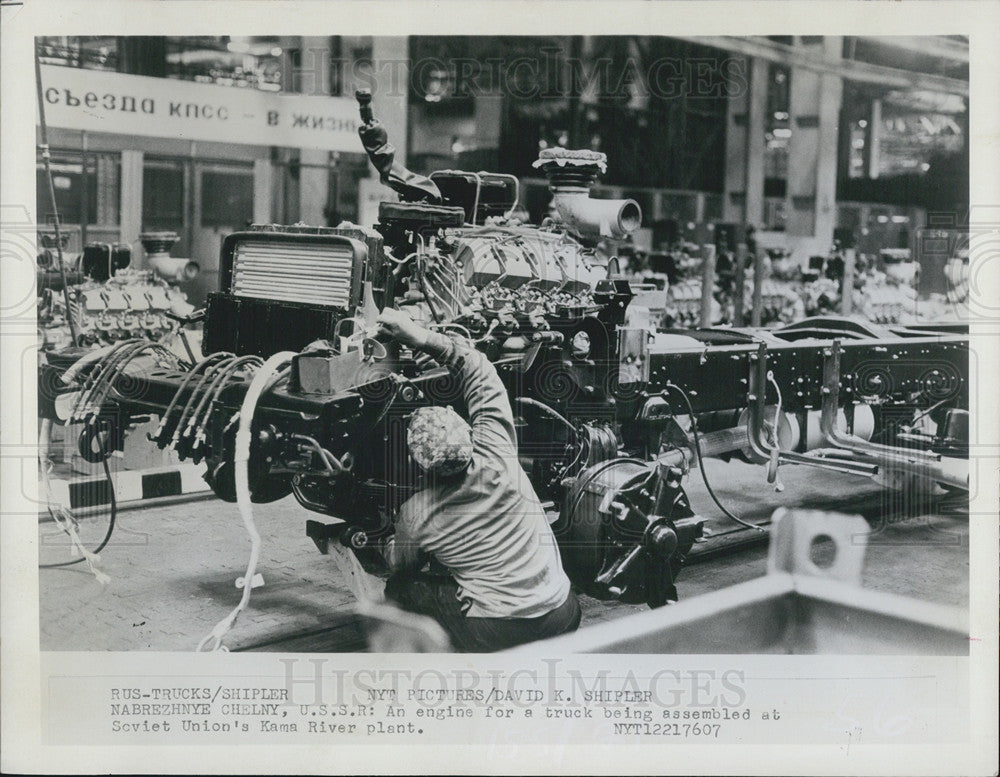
(184, 384)
(423, 281)
(701, 463)
(109, 383)
(777, 409)
(551, 412)
(241, 462)
(210, 373)
(110, 371)
(90, 556)
(70, 375)
(96, 375)
(199, 417)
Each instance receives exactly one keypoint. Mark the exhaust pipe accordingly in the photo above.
(172, 269)
(570, 175)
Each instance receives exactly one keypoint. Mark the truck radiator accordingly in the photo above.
(314, 274)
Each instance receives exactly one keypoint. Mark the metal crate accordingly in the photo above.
(797, 608)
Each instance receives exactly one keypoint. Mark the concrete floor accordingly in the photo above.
(173, 568)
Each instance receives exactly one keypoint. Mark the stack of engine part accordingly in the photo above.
(110, 301)
(883, 288)
(779, 301)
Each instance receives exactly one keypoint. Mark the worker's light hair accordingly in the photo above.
(440, 441)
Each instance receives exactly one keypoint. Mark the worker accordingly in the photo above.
(501, 581)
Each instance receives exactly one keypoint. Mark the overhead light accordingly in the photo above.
(276, 51)
(438, 86)
(782, 132)
(862, 124)
(238, 45)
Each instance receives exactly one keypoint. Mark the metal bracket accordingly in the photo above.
(633, 356)
(793, 533)
(321, 534)
(757, 438)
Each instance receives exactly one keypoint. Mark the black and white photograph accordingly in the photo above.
(563, 389)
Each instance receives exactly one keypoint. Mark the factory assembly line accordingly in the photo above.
(299, 393)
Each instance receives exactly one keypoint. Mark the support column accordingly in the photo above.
(831, 99)
(812, 152)
(314, 170)
(488, 120)
(263, 191)
(391, 62)
(744, 182)
(756, 142)
(735, 185)
(131, 199)
(873, 140)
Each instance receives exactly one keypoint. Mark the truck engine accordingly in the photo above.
(109, 300)
(297, 394)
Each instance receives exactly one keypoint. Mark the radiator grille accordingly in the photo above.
(310, 274)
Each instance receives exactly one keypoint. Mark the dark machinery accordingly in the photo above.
(609, 417)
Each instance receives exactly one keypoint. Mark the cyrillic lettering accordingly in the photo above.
(109, 102)
(222, 113)
(272, 118)
(71, 100)
(52, 95)
(90, 99)
(300, 121)
(148, 105)
(175, 109)
(128, 104)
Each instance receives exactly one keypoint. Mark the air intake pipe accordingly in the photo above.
(172, 269)
(570, 175)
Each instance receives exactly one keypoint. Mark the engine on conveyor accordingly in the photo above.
(109, 300)
(610, 415)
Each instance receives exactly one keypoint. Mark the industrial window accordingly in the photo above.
(163, 195)
(226, 198)
(87, 190)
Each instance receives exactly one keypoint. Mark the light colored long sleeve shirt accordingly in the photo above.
(488, 528)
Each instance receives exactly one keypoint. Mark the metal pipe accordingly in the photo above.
(757, 439)
(46, 160)
(596, 218)
(924, 464)
(828, 416)
(707, 283)
(758, 285)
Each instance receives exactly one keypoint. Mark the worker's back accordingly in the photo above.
(489, 529)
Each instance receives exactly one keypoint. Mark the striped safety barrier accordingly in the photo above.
(130, 486)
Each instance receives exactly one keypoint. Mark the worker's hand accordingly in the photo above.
(402, 328)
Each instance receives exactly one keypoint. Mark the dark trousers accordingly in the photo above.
(437, 596)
